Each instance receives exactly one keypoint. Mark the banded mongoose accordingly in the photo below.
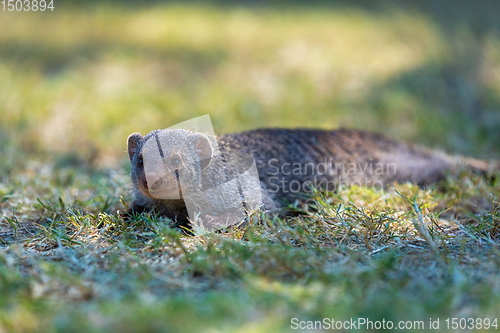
(289, 163)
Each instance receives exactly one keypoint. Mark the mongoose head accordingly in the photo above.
(167, 164)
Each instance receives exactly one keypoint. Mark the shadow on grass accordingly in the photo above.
(448, 109)
(454, 102)
(55, 59)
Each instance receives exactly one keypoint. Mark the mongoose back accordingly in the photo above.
(289, 162)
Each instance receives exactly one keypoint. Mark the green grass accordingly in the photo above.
(74, 83)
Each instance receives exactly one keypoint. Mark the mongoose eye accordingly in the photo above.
(176, 161)
(140, 162)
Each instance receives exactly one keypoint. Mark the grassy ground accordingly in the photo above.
(75, 82)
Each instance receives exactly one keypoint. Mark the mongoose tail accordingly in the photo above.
(482, 166)
(424, 166)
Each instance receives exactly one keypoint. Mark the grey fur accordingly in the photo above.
(303, 157)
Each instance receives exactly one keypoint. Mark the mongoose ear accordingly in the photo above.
(132, 143)
(202, 147)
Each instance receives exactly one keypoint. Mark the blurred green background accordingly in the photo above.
(79, 79)
(75, 82)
